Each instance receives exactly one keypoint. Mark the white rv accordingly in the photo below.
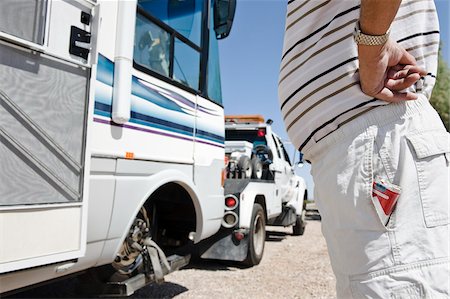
(111, 136)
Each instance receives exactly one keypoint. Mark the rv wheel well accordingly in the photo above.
(173, 216)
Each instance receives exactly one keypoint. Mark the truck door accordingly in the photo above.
(45, 68)
(284, 173)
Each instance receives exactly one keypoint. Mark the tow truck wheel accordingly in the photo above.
(245, 167)
(257, 168)
(257, 236)
(299, 227)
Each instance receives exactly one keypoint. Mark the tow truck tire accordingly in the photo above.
(256, 237)
(299, 227)
(245, 167)
(257, 168)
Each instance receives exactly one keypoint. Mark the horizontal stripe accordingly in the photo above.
(297, 8)
(426, 55)
(332, 120)
(417, 35)
(316, 103)
(408, 3)
(351, 22)
(307, 14)
(210, 136)
(422, 46)
(315, 54)
(320, 29)
(348, 120)
(150, 121)
(414, 13)
(158, 123)
(111, 123)
(319, 89)
(315, 78)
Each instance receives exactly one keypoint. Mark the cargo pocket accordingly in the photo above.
(432, 154)
(410, 291)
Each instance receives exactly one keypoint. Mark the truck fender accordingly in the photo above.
(297, 202)
(255, 193)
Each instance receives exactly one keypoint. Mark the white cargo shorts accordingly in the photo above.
(407, 145)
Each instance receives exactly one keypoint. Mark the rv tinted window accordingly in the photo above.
(167, 39)
(183, 16)
(24, 19)
(152, 46)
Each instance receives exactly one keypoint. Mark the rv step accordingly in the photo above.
(128, 287)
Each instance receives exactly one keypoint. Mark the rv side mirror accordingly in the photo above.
(223, 17)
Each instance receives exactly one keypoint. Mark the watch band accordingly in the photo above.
(369, 40)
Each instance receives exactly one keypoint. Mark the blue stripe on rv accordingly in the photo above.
(105, 74)
(142, 119)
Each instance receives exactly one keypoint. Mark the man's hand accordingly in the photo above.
(387, 70)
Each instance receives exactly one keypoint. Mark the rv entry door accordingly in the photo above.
(46, 58)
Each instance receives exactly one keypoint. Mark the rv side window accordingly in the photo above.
(167, 39)
(24, 19)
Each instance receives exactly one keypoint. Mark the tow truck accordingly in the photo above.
(261, 188)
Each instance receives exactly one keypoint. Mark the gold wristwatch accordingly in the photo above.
(369, 40)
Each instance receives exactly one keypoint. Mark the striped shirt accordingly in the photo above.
(319, 87)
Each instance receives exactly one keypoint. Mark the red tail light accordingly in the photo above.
(239, 235)
(231, 201)
(261, 132)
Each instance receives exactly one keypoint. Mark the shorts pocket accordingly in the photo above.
(432, 154)
(381, 158)
(410, 291)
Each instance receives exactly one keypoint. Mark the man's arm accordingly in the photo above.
(386, 69)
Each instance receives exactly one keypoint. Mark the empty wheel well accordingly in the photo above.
(172, 215)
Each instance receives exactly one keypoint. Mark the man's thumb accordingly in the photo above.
(407, 58)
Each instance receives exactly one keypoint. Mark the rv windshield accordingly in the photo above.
(173, 41)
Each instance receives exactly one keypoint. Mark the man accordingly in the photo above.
(354, 85)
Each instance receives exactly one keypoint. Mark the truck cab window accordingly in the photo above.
(277, 146)
(285, 154)
(168, 39)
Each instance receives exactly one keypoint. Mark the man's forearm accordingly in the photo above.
(377, 15)
(385, 70)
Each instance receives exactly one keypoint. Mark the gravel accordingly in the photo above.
(292, 267)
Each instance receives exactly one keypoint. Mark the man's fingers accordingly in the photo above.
(388, 95)
(419, 70)
(402, 83)
(398, 72)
